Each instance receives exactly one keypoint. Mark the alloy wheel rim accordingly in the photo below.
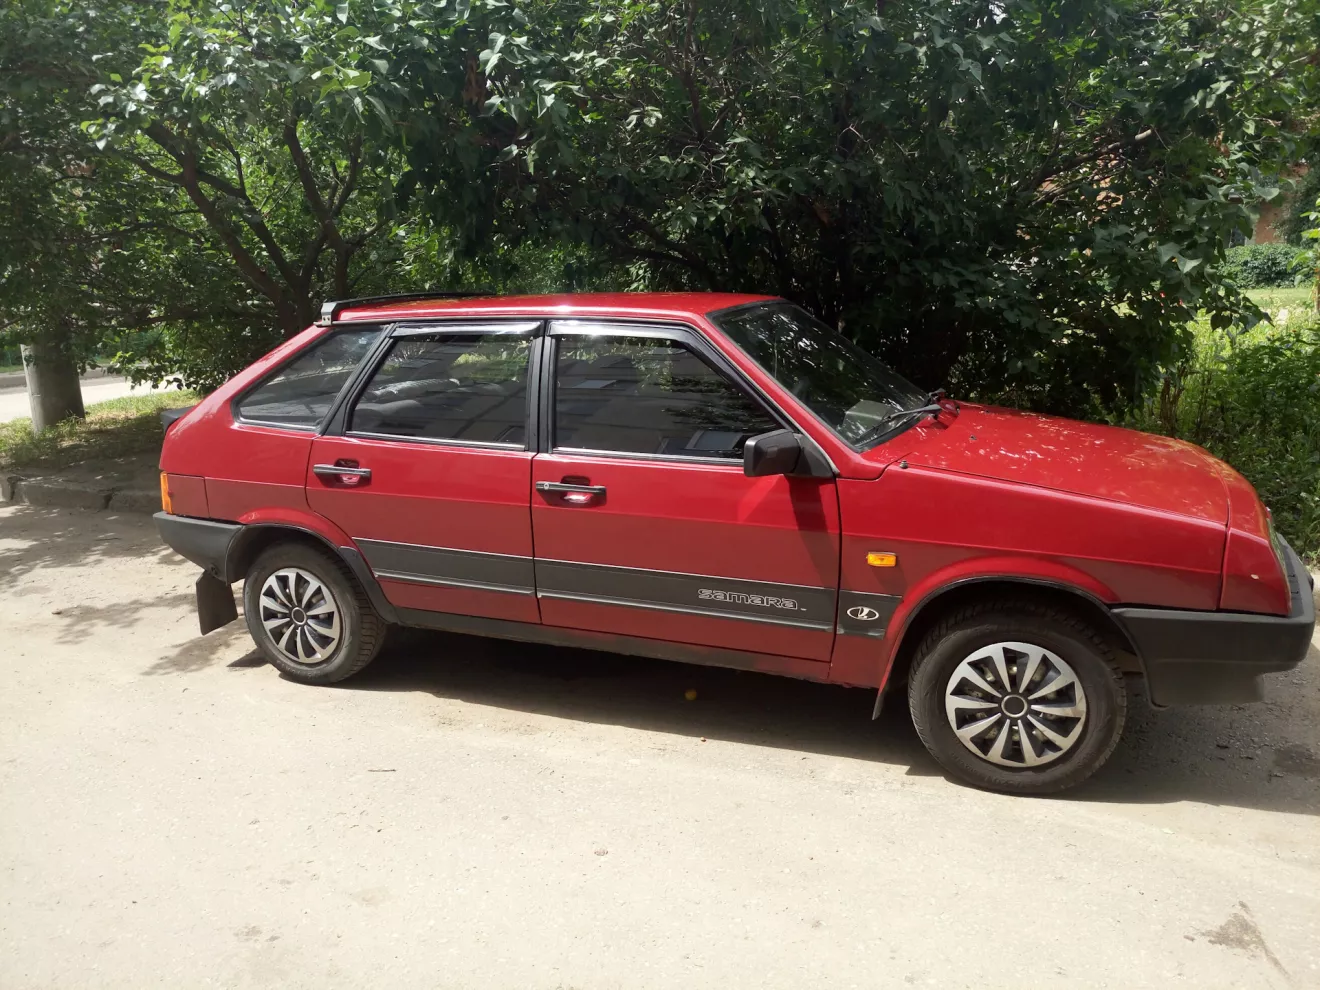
(301, 616)
(1017, 705)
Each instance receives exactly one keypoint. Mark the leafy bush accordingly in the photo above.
(1263, 266)
(1254, 401)
(1302, 201)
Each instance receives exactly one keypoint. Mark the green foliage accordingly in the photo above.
(1301, 202)
(1263, 266)
(1310, 254)
(1254, 401)
(118, 428)
(1027, 194)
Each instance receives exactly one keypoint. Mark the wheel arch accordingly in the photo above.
(254, 538)
(939, 602)
(249, 542)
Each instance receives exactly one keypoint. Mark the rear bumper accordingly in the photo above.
(206, 544)
(202, 541)
(1219, 657)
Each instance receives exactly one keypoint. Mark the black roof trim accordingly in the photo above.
(331, 309)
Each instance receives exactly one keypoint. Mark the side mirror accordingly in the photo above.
(777, 452)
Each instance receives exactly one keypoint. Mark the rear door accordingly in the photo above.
(644, 522)
(427, 467)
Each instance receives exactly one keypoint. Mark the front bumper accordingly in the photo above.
(1219, 657)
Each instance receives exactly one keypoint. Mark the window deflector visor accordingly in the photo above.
(522, 328)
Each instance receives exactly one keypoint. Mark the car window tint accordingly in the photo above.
(647, 396)
(469, 387)
(301, 393)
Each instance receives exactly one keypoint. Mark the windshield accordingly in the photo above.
(857, 396)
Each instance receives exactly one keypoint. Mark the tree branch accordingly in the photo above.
(325, 214)
(1045, 173)
(185, 154)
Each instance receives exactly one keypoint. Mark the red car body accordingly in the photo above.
(1166, 548)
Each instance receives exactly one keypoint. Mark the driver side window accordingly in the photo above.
(644, 395)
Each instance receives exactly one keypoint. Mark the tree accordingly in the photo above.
(1020, 198)
(71, 261)
(1014, 197)
(258, 114)
(188, 181)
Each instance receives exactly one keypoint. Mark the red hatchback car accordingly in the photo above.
(722, 479)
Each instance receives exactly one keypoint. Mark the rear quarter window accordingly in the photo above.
(299, 394)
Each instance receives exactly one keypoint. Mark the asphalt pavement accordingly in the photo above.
(474, 814)
(14, 400)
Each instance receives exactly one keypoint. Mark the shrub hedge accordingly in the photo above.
(1263, 266)
(1254, 401)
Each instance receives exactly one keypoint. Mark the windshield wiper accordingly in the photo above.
(932, 409)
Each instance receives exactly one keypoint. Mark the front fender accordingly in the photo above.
(1000, 568)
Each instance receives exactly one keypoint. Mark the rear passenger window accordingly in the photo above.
(300, 394)
(645, 396)
(468, 387)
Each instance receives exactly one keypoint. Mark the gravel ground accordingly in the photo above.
(487, 815)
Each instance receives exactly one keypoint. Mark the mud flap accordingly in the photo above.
(215, 603)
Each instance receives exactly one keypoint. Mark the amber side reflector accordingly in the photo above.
(165, 503)
(882, 559)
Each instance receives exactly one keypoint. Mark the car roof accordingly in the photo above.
(650, 305)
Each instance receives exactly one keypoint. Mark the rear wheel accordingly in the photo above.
(308, 616)
(1017, 698)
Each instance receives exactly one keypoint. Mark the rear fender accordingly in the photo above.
(257, 531)
(311, 522)
(261, 526)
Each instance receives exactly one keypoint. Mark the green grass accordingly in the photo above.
(1297, 300)
(114, 429)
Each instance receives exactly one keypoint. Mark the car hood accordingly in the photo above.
(1071, 456)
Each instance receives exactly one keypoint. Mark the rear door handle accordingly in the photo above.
(347, 475)
(571, 494)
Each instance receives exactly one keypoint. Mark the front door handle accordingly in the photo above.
(570, 493)
(345, 473)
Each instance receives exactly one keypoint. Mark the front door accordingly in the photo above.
(431, 475)
(643, 520)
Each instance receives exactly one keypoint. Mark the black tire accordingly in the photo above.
(973, 628)
(361, 631)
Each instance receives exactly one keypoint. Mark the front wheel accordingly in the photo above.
(308, 616)
(1016, 698)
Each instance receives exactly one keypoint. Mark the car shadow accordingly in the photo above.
(640, 693)
(1201, 754)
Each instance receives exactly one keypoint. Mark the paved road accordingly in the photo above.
(473, 814)
(14, 401)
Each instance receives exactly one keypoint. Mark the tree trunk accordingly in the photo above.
(54, 388)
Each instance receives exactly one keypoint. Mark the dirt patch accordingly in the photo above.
(1297, 759)
(1241, 932)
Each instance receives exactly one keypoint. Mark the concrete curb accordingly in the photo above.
(53, 493)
